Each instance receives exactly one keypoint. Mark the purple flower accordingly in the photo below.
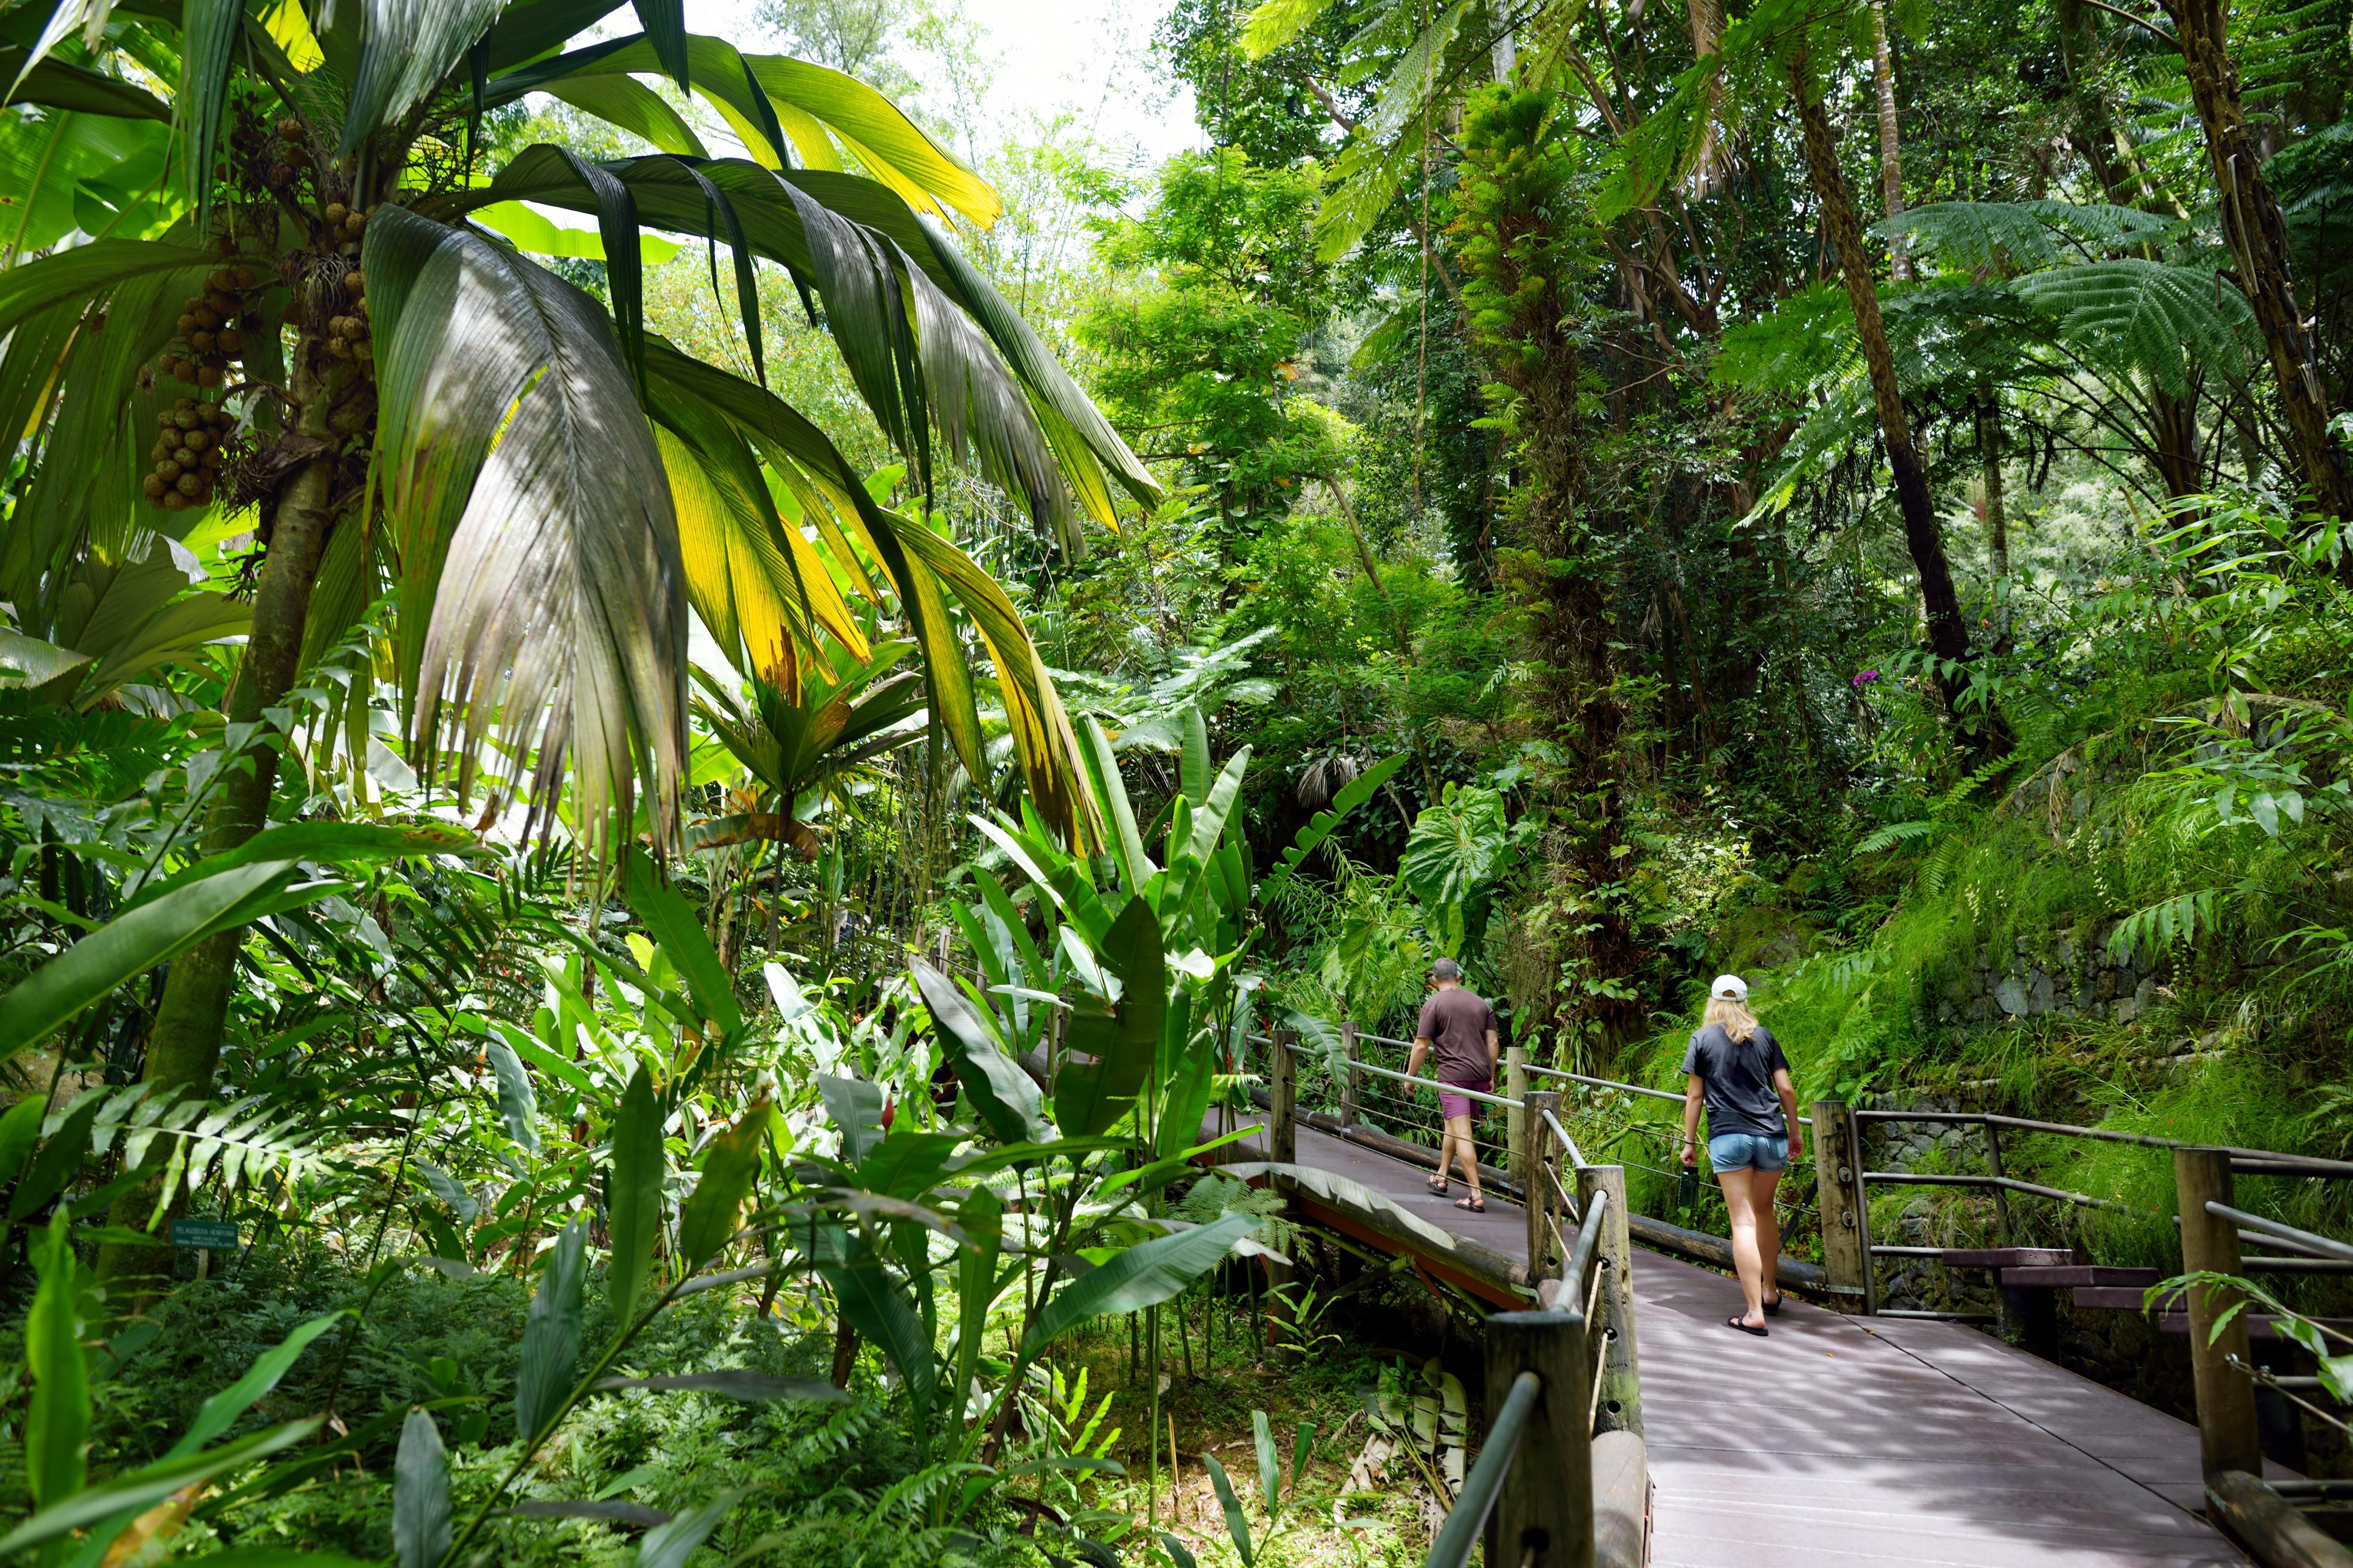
(1865, 678)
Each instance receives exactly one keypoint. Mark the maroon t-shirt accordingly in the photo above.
(1455, 1023)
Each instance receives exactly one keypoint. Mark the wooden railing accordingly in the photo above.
(2214, 1234)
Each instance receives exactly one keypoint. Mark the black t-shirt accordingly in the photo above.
(1739, 1078)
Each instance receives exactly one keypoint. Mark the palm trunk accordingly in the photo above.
(1891, 159)
(1948, 635)
(2257, 237)
(183, 1049)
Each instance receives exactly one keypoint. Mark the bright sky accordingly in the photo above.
(1090, 58)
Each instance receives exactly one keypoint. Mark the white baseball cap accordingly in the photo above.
(1729, 988)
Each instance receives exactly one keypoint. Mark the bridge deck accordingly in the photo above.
(1843, 1441)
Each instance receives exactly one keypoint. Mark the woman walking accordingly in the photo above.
(1736, 1065)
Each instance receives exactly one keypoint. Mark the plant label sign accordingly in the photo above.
(212, 1235)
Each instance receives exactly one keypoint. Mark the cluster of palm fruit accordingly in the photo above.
(348, 336)
(214, 328)
(188, 454)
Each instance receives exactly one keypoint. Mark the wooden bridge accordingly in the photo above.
(1839, 1439)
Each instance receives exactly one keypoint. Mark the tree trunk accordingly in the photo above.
(1891, 159)
(2257, 237)
(2175, 437)
(1706, 34)
(183, 1049)
(1997, 521)
(1948, 635)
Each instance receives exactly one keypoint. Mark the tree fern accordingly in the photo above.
(2166, 320)
(2011, 237)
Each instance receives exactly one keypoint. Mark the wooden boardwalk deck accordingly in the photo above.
(1841, 1441)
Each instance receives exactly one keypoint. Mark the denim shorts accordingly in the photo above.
(1745, 1151)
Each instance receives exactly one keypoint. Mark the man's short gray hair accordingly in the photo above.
(1447, 969)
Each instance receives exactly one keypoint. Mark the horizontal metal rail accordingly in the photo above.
(2005, 1183)
(1434, 1083)
(1588, 1247)
(1575, 1155)
(2249, 1161)
(1382, 1040)
(2327, 1247)
(1604, 1083)
(1467, 1520)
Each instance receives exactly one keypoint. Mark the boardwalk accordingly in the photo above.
(1841, 1440)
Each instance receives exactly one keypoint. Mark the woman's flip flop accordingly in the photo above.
(1736, 1323)
(1474, 1203)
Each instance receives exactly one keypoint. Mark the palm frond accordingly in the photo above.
(2011, 237)
(407, 48)
(524, 480)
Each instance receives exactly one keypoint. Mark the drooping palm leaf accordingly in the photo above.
(550, 563)
(406, 48)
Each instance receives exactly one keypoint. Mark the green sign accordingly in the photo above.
(218, 1236)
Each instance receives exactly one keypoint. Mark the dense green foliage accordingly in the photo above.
(1608, 493)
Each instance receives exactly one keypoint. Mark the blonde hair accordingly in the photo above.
(1732, 1017)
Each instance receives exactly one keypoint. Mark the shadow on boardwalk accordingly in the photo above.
(1839, 1440)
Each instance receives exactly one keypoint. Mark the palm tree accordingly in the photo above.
(405, 402)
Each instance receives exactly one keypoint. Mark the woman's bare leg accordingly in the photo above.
(1761, 1186)
(1739, 1201)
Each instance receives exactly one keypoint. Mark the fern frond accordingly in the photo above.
(1894, 834)
(2013, 237)
(2167, 923)
(2164, 319)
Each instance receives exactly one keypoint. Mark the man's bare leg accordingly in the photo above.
(1458, 1137)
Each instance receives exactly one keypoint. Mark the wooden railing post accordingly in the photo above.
(1534, 1103)
(1283, 1098)
(1350, 1079)
(2227, 1434)
(1515, 1120)
(1548, 1497)
(1621, 1379)
(1846, 1219)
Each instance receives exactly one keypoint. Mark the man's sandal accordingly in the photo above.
(1474, 1203)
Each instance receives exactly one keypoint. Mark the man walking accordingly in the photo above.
(1461, 1029)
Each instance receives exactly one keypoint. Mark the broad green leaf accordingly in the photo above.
(1005, 1096)
(550, 1333)
(1270, 1468)
(1120, 1044)
(1142, 1276)
(420, 1495)
(981, 1216)
(60, 1158)
(670, 1545)
(542, 235)
(57, 1423)
(706, 1222)
(143, 1488)
(874, 1304)
(208, 31)
(141, 938)
(633, 1192)
(855, 1108)
(1237, 1521)
(19, 1130)
(676, 930)
(220, 1412)
(517, 1106)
